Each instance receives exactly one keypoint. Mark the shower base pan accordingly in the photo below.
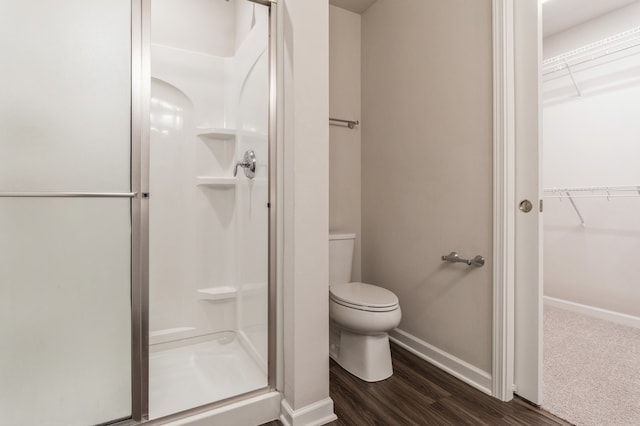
(191, 375)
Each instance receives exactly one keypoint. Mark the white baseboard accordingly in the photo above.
(458, 368)
(316, 414)
(252, 411)
(591, 311)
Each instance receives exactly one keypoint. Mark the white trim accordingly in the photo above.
(458, 368)
(503, 199)
(592, 311)
(316, 414)
(528, 246)
(253, 411)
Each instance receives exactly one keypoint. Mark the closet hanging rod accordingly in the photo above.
(608, 192)
(349, 123)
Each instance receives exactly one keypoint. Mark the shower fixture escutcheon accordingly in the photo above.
(248, 163)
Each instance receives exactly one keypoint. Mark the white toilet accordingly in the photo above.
(361, 315)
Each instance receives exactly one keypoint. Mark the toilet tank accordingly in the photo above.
(340, 257)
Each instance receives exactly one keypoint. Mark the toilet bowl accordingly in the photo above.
(361, 315)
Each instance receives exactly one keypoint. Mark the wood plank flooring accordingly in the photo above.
(421, 394)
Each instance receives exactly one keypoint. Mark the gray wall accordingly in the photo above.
(427, 166)
(344, 143)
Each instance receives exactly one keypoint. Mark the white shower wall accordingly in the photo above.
(207, 230)
(593, 141)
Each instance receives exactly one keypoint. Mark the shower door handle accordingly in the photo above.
(248, 163)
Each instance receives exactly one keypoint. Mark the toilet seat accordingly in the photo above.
(364, 297)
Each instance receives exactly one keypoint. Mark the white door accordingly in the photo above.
(528, 225)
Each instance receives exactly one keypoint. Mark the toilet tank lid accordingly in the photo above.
(342, 236)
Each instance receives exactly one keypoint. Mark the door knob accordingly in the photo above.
(248, 163)
(526, 206)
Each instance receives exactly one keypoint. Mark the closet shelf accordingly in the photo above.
(216, 182)
(594, 191)
(217, 133)
(617, 43)
(608, 192)
(217, 293)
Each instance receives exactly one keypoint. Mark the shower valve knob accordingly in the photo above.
(248, 163)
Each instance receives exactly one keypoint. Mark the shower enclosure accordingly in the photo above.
(134, 260)
(208, 220)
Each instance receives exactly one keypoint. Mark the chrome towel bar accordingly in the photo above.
(347, 123)
(453, 257)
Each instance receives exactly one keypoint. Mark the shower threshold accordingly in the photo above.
(192, 375)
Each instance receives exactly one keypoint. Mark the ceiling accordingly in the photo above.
(356, 6)
(559, 15)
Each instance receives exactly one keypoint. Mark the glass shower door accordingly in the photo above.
(65, 212)
(208, 211)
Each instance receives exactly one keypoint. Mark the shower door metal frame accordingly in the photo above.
(273, 235)
(140, 154)
(139, 183)
(140, 100)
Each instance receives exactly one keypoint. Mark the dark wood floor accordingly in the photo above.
(421, 394)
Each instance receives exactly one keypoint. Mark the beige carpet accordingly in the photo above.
(591, 370)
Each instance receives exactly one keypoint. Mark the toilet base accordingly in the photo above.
(367, 357)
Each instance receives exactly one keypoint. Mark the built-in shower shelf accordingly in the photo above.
(216, 182)
(217, 133)
(217, 293)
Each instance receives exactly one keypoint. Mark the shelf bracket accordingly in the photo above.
(575, 207)
(573, 80)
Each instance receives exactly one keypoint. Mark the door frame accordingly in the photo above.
(517, 295)
(503, 198)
